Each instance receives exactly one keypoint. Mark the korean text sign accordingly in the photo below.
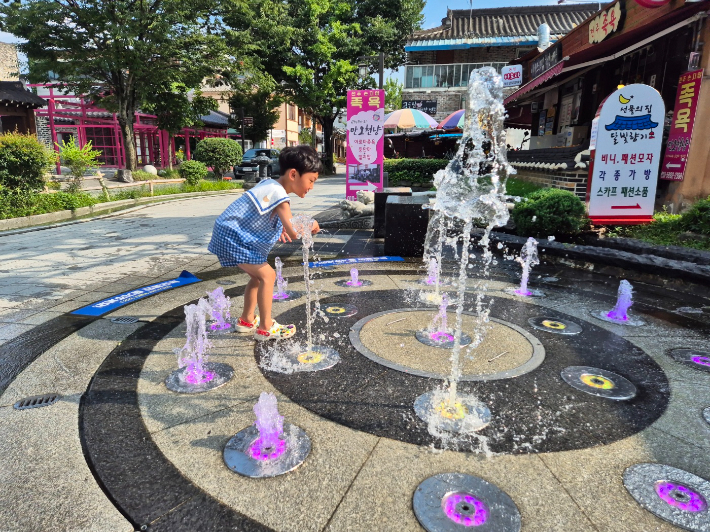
(625, 170)
(365, 137)
(681, 132)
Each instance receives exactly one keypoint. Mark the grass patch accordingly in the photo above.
(17, 203)
(663, 231)
(519, 187)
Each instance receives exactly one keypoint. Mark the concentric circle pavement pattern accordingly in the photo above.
(120, 452)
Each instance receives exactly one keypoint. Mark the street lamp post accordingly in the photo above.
(363, 67)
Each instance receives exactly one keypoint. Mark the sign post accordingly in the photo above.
(621, 188)
(365, 137)
(512, 75)
(681, 133)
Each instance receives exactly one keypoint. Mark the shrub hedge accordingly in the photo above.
(697, 218)
(549, 211)
(413, 170)
(220, 154)
(193, 171)
(23, 161)
(16, 203)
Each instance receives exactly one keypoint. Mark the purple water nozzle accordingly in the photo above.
(680, 497)
(623, 302)
(464, 509)
(269, 444)
(440, 326)
(354, 278)
(527, 259)
(193, 355)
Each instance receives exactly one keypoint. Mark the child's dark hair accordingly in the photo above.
(302, 158)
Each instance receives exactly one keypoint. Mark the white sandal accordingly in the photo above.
(276, 332)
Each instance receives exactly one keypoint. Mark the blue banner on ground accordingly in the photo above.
(338, 262)
(112, 303)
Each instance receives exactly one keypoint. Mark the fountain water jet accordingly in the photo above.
(527, 259)
(194, 373)
(619, 314)
(470, 188)
(354, 281)
(292, 357)
(268, 448)
(220, 308)
(281, 283)
(438, 334)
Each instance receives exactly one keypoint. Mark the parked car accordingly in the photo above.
(248, 166)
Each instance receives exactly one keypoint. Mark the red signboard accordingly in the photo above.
(652, 3)
(681, 132)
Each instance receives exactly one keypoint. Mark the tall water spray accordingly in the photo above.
(527, 259)
(281, 283)
(303, 225)
(472, 188)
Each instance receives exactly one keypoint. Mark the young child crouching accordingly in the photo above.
(246, 231)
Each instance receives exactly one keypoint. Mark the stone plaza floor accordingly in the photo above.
(120, 452)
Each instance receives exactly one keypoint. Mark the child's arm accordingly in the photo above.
(283, 211)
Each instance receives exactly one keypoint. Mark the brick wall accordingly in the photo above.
(574, 181)
(9, 65)
(44, 134)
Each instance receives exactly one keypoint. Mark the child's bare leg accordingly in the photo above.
(263, 276)
(250, 291)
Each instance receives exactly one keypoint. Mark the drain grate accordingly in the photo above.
(125, 319)
(37, 401)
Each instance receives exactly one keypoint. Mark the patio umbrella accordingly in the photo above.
(408, 118)
(453, 121)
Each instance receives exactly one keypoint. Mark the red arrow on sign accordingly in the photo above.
(637, 206)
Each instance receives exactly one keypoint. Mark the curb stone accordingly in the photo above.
(647, 266)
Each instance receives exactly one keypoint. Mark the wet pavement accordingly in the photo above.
(119, 451)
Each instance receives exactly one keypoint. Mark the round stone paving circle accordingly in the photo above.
(388, 338)
(534, 412)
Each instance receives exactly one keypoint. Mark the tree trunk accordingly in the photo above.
(129, 143)
(170, 151)
(327, 123)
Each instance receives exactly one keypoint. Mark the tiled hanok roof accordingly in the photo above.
(503, 25)
(13, 92)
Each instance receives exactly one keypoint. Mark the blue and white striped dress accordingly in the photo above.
(247, 230)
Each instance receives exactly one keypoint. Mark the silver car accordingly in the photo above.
(248, 166)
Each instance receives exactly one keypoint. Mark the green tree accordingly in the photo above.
(311, 47)
(177, 109)
(118, 51)
(305, 137)
(258, 94)
(393, 95)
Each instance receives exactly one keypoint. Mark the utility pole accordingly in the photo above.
(382, 70)
(241, 112)
(363, 68)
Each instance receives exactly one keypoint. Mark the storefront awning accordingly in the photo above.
(542, 78)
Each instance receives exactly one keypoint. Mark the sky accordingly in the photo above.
(435, 10)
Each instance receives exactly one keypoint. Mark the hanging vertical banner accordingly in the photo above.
(681, 132)
(365, 155)
(621, 188)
